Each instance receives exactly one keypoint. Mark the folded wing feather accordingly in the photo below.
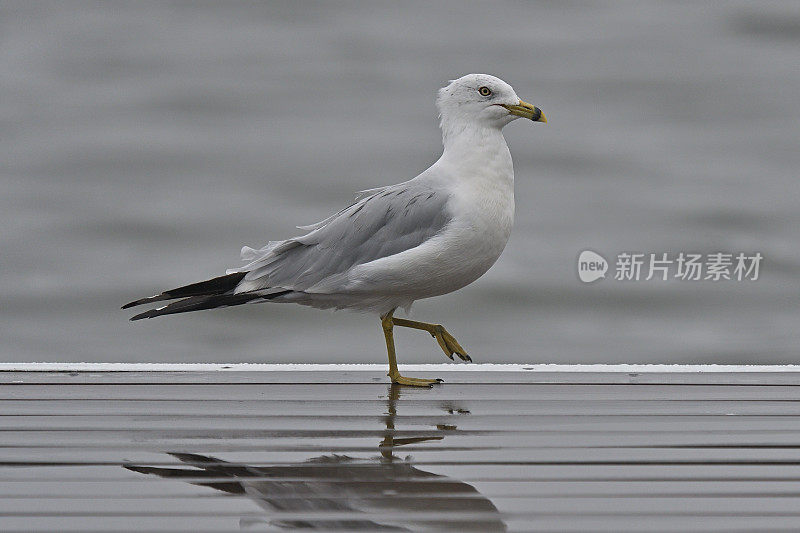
(388, 221)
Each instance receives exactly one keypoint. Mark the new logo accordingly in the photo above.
(591, 266)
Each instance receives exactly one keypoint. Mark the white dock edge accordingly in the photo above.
(269, 367)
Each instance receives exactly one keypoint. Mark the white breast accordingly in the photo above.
(483, 215)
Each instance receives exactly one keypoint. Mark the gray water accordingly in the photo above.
(142, 144)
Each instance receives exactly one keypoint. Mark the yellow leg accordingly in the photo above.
(447, 342)
(387, 322)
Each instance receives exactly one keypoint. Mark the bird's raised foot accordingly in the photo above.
(449, 344)
(414, 382)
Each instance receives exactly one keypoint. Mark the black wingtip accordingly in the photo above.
(195, 458)
(209, 287)
(199, 303)
(147, 314)
(135, 303)
(137, 468)
(150, 299)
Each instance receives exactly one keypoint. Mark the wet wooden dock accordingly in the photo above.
(518, 448)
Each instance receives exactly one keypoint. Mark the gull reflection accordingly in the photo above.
(338, 492)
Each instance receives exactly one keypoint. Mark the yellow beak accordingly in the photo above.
(526, 110)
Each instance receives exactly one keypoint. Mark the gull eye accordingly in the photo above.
(485, 91)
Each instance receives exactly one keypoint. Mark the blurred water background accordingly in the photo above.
(143, 143)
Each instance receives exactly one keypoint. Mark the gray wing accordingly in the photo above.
(388, 221)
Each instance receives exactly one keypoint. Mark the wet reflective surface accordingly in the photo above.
(340, 492)
(542, 451)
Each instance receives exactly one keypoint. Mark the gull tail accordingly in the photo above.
(209, 294)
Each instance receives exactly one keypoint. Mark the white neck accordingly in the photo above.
(471, 147)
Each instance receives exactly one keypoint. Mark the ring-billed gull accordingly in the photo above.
(424, 237)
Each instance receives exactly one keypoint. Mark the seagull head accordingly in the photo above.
(483, 100)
